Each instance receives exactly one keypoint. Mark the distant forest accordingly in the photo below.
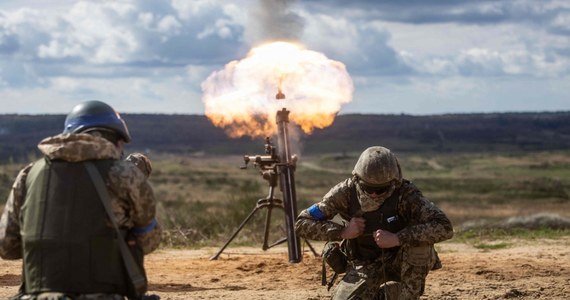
(192, 134)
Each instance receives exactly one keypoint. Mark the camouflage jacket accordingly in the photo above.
(427, 224)
(132, 198)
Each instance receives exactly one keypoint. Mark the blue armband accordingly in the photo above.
(142, 230)
(316, 213)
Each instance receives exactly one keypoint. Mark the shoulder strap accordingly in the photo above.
(354, 208)
(135, 275)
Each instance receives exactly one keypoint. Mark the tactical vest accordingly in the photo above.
(68, 246)
(364, 248)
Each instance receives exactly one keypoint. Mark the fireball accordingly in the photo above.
(241, 98)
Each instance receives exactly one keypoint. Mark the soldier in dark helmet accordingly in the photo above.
(82, 217)
(389, 229)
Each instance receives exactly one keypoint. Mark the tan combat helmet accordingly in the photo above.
(378, 166)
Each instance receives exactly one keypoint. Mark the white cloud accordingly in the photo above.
(71, 50)
(197, 73)
(169, 25)
(221, 28)
(190, 9)
(485, 62)
(336, 36)
(174, 95)
(432, 95)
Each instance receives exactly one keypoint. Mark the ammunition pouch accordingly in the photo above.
(333, 255)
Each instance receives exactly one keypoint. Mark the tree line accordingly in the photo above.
(189, 134)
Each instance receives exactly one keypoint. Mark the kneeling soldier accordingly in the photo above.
(81, 217)
(389, 233)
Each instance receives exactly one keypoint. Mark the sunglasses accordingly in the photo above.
(378, 190)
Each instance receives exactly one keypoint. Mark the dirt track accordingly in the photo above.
(537, 270)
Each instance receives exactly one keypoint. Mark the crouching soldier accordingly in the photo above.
(389, 232)
(81, 217)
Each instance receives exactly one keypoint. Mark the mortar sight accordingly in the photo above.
(264, 162)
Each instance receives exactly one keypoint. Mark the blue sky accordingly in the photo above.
(413, 57)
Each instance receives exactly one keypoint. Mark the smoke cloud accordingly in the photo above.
(274, 20)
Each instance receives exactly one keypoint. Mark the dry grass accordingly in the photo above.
(202, 198)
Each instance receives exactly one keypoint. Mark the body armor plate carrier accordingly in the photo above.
(364, 247)
(68, 245)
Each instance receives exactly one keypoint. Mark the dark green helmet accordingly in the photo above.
(95, 114)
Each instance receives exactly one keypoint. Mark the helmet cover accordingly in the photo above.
(377, 173)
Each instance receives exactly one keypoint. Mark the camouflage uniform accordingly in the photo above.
(405, 268)
(132, 198)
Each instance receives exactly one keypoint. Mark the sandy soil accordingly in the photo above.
(526, 270)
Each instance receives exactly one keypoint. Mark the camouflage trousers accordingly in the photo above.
(403, 276)
(62, 296)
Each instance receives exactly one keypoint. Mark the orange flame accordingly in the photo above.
(241, 97)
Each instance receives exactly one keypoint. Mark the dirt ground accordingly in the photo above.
(526, 270)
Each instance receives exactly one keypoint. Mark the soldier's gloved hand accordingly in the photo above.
(386, 239)
(142, 162)
(354, 228)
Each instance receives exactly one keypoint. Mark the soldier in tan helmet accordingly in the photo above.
(389, 229)
(82, 217)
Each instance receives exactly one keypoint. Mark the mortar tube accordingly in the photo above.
(287, 185)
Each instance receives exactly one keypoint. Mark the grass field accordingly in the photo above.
(202, 199)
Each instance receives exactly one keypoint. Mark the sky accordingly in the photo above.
(414, 57)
